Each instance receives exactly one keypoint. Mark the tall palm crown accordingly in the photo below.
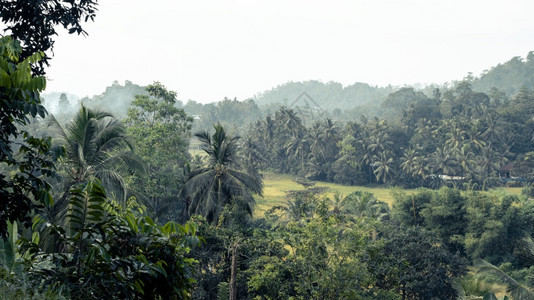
(210, 188)
(96, 145)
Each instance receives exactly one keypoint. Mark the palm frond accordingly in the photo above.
(53, 122)
(248, 182)
(86, 205)
(527, 245)
(111, 134)
(113, 182)
(492, 273)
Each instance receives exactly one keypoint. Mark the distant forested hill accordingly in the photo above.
(508, 77)
(116, 98)
(329, 95)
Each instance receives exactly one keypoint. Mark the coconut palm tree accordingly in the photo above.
(298, 148)
(330, 135)
(442, 161)
(420, 166)
(384, 166)
(96, 146)
(408, 160)
(317, 143)
(338, 204)
(465, 160)
(493, 132)
(364, 204)
(456, 137)
(210, 188)
(489, 273)
(475, 139)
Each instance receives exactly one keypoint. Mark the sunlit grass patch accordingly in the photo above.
(277, 185)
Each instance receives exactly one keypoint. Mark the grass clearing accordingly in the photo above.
(276, 186)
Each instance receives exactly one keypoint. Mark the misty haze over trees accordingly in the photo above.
(136, 194)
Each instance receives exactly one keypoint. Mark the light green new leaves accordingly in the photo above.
(15, 74)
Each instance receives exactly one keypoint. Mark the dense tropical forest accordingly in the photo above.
(134, 194)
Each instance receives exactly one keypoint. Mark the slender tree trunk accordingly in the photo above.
(413, 205)
(233, 286)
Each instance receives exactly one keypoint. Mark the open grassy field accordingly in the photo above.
(276, 186)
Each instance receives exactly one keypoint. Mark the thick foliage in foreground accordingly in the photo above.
(109, 253)
(33, 21)
(22, 156)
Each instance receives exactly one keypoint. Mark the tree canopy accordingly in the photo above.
(33, 22)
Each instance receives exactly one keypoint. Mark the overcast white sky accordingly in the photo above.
(208, 50)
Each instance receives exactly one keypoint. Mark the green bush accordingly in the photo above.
(528, 191)
(112, 254)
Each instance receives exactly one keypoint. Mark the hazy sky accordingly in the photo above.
(208, 50)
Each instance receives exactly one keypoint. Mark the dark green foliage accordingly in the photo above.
(324, 262)
(160, 132)
(528, 191)
(445, 215)
(459, 138)
(111, 254)
(495, 227)
(213, 262)
(287, 146)
(416, 263)
(407, 208)
(476, 225)
(24, 161)
(33, 22)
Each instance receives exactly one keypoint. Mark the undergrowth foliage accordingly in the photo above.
(23, 158)
(111, 253)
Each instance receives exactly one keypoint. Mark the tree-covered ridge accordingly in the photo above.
(509, 77)
(329, 95)
(116, 98)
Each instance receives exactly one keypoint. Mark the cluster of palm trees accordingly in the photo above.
(465, 137)
(289, 147)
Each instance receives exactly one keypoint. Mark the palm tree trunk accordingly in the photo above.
(413, 206)
(233, 287)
